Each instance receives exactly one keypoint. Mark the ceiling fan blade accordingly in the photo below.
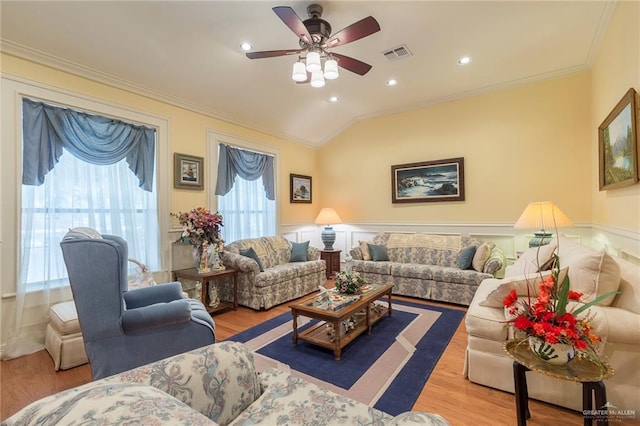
(272, 53)
(351, 64)
(294, 22)
(353, 32)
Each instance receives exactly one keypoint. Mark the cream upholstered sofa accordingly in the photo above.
(271, 277)
(216, 384)
(616, 320)
(428, 266)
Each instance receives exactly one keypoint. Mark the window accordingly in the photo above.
(247, 212)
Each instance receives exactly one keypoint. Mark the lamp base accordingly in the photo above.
(540, 238)
(328, 237)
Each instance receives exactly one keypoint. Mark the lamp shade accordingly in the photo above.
(542, 215)
(331, 69)
(327, 216)
(313, 62)
(299, 72)
(317, 80)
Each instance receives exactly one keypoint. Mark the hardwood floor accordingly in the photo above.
(447, 392)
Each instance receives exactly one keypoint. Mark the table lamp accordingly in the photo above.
(542, 215)
(328, 217)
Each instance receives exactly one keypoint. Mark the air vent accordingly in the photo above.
(397, 53)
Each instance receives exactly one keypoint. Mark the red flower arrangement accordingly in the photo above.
(547, 316)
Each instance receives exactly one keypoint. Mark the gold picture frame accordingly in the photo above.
(618, 144)
(188, 172)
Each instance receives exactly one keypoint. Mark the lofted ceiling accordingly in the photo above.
(188, 53)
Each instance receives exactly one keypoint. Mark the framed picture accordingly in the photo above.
(617, 144)
(441, 180)
(300, 188)
(188, 171)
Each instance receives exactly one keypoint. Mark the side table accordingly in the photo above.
(581, 370)
(207, 277)
(332, 259)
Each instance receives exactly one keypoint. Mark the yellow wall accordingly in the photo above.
(530, 143)
(188, 135)
(616, 69)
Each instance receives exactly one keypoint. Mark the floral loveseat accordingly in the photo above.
(216, 384)
(280, 279)
(616, 320)
(428, 266)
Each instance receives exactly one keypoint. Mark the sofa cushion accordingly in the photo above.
(465, 261)
(378, 253)
(593, 273)
(110, 403)
(381, 268)
(364, 248)
(482, 255)
(251, 253)
(275, 275)
(530, 260)
(299, 252)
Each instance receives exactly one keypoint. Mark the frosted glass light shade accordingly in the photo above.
(313, 62)
(331, 69)
(299, 72)
(317, 80)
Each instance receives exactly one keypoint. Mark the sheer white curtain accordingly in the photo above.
(247, 212)
(75, 194)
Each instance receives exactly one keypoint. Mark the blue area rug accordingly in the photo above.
(429, 330)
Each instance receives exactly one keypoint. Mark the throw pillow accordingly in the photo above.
(466, 257)
(299, 252)
(532, 260)
(378, 253)
(593, 273)
(88, 232)
(364, 248)
(482, 255)
(523, 285)
(251, 253)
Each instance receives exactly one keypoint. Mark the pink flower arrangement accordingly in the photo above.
(200, 226)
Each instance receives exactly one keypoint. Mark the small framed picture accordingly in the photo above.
(300, 188)
(618, 145)
(428, 181)
(188, 172)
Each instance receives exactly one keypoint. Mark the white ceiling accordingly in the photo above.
(189, 53)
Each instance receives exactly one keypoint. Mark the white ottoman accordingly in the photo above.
(63, 338)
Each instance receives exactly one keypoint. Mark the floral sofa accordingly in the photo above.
(216, 384)
(280, 279)
(428, 266)
(616, 320)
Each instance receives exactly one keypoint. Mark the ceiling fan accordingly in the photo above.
(315, 41)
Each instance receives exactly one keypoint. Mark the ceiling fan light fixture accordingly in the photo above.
(317, 79)
(313, 62)
(331, 69)
(299, 72)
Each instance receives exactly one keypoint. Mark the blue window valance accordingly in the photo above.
(248, 165)
(47, 129)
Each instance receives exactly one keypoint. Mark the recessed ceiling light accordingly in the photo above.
(334, 99)
(246, 46)
(464, 60)
(391, 82)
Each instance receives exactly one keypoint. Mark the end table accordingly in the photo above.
(332, 259)
(204, 279)
(582, 370)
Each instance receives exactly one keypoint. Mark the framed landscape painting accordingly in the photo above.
(618, 145)
(188, 172)
(441, 180)
(300, 188)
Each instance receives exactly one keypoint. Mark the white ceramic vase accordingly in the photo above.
(556, 353)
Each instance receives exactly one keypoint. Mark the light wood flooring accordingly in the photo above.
(447, 392)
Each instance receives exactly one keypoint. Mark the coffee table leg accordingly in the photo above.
(337, 350)
(390, 308)
(294, 313)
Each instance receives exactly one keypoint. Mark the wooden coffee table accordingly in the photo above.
(335, 312)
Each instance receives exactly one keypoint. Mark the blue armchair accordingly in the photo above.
(125, 329)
